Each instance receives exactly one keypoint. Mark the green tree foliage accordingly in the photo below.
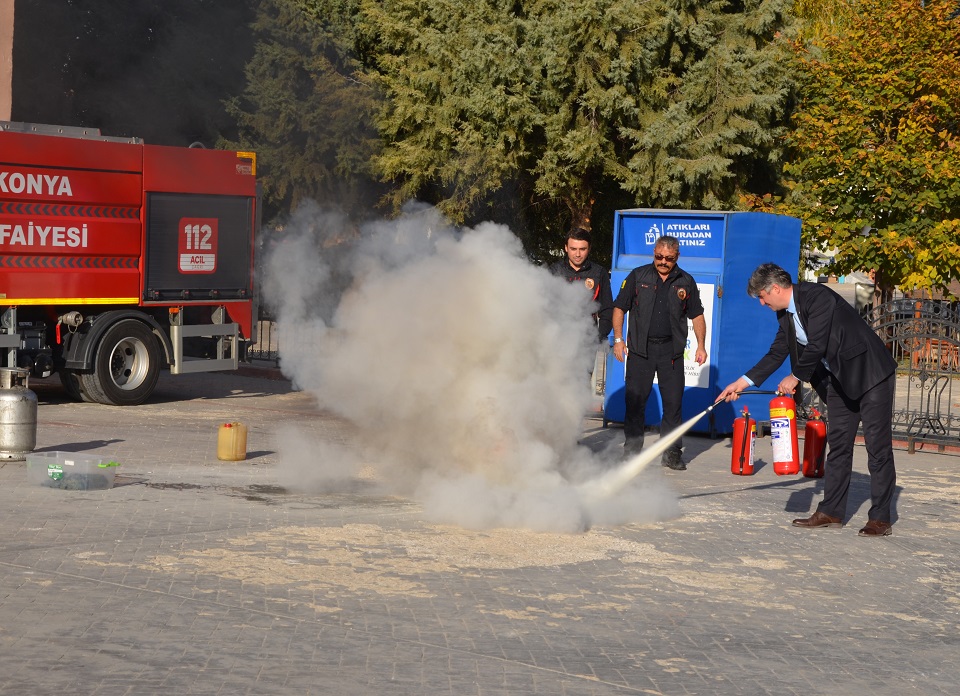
(677, 102)
(457, 112)
(306, 112)
(876, 166)
(820, 18)
(714, 102)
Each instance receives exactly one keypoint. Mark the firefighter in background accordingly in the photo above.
(835, 350)
(660, 297)
(577, 268)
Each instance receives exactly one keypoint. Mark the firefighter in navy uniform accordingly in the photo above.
(576, 268)
(660, 297)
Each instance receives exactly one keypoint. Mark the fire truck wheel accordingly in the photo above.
(71, 383)
(126, 367)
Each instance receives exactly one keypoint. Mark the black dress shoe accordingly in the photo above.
(876, 528)
(818, 519)
(632, 447)
(672, 460)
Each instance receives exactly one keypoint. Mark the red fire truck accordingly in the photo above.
(119, 259)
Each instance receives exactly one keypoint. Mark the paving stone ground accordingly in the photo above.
(196, 576)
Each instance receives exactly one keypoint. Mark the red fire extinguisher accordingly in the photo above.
(783, 435)
(814, 446)
(744, 438)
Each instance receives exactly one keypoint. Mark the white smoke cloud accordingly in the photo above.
(462, 367)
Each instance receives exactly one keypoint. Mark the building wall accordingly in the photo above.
(161, 71)
(953, 288)
(6, 59)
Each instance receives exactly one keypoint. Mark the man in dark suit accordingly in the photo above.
(831, 347)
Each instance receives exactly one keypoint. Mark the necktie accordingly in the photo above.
(792, 342)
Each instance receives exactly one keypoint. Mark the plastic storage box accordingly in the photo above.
(71, 470)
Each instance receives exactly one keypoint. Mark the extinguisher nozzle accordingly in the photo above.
(714, 405)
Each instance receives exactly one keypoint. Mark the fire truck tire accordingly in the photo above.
(126, 366)
(71, 383)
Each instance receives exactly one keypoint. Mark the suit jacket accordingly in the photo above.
(857, 357)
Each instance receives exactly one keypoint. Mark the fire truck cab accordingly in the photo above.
(119, 259)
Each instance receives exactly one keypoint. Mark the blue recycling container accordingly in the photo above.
(720, 250)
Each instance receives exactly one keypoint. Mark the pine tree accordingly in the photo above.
(678, 102)
(306, 113)
(715, 97)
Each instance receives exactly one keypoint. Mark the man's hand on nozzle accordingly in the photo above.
(732, 391)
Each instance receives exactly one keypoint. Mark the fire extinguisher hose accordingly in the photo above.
(609, 483)
(746, 435)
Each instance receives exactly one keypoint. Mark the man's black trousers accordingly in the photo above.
(639, 382)
(844, 415)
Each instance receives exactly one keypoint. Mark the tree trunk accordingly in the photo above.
(581, 210)
(882, 289)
